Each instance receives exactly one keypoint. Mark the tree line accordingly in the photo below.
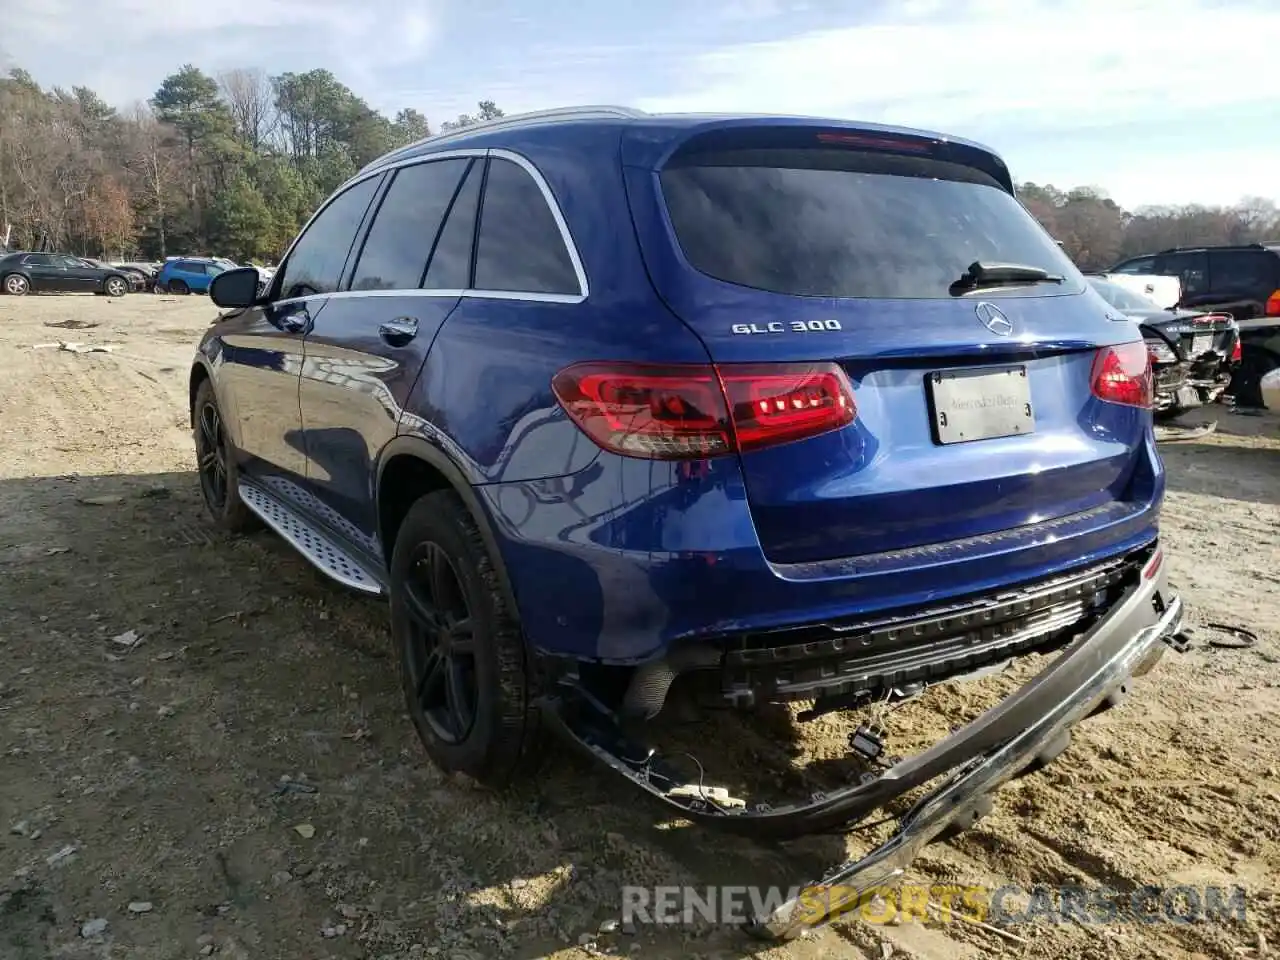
(230, 165)
(233, 164)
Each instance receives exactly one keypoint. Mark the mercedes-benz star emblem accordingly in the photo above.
(993, 318)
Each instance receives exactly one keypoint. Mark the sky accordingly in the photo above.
(1155, 101)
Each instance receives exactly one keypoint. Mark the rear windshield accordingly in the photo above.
(1123, 299)
(845, 223)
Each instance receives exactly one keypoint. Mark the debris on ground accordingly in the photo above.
(62, 856)
(93, 928)
(74, 347)
(129, 639)
(105, 500)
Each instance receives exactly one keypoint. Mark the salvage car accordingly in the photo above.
(138, 279)
(1242, 280)
(22, 273)
(599, 400)
(1193, 354)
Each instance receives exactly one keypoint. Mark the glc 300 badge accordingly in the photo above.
(790, 326)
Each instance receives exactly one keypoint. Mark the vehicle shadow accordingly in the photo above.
(242, 758)
(1224, 466)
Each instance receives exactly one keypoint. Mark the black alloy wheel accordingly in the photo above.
(216, 464)
(441, 654)
(211, 456)
(464, 667)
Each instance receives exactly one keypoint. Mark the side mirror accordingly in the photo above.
(235, 288)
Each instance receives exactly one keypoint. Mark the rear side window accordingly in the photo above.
(520, 247)
(1245, 271)
(315, 265)
(451, 260)
(38, 260)
(845, 223)
(399, 242)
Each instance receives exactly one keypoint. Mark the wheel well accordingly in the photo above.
(404, 479)
(198, 376)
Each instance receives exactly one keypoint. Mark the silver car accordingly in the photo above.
(1271, 390)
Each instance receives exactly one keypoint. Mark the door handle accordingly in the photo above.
(295, 322)
(399, 331)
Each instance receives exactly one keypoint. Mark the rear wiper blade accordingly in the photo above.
(979, 275)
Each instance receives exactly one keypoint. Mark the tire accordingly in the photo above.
(1246, 381)
(179, 287)
(214, 457)
(16, 285)
(156, 288)
(116, 286)
(492, 734)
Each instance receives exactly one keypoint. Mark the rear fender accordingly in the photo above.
(436, 458)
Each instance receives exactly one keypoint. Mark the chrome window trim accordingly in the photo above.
(495, 152)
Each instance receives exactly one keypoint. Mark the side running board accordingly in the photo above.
(323, 550)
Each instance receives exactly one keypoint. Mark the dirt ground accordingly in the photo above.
(242, 781)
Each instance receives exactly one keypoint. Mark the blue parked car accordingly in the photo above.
(809, 410)
(188, 275)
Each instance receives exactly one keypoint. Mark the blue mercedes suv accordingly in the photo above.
(810, 408)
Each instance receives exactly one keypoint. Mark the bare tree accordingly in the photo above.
(153, 161)
(251, 100)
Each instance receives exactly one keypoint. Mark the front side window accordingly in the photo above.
(315, 264)
(406, 224)
(520, 247)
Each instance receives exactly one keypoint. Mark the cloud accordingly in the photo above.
(150, 39)
(1050, 65)
(1034, 78)
(1141, 97)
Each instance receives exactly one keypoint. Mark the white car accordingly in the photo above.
(1271, 390)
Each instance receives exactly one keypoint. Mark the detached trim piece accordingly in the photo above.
(963, 796)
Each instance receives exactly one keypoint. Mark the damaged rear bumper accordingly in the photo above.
(1094, 669)
(1009, 737)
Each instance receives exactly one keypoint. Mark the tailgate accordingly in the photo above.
(974, 408)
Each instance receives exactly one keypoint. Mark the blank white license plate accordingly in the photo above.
(980, 404)
(1200, 344)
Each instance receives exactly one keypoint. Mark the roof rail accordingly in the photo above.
(514, 122)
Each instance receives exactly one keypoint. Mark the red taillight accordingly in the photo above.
(1122, 374)
(691, 411)
(778, 403)
(1237, 350)
(1273, 304)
